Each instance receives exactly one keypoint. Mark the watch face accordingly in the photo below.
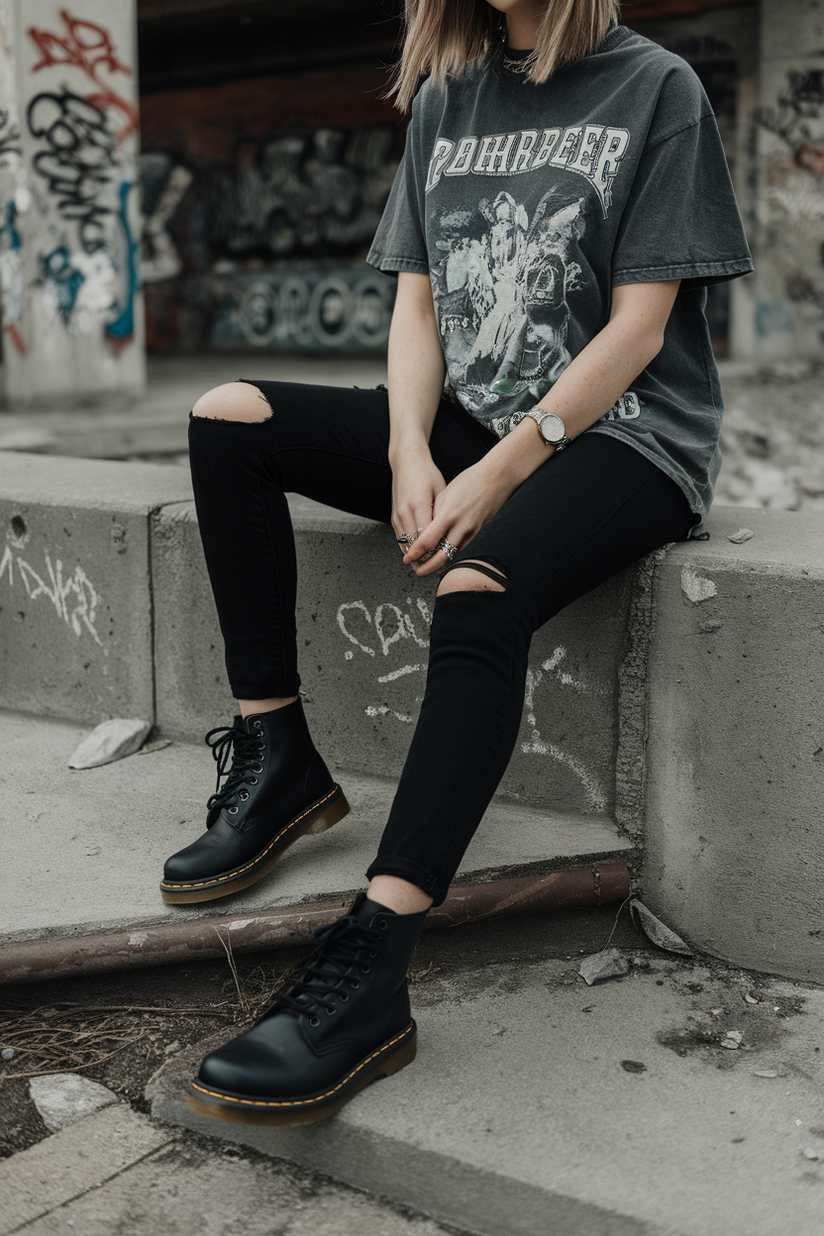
(552, 428)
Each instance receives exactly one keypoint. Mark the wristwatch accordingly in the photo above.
(553, 429)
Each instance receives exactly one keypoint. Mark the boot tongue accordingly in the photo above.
(365, 910)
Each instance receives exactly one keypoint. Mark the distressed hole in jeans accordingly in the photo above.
(471, 575)
(241, 401)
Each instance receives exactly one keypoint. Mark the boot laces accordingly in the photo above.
(346, 948)
(246, 754)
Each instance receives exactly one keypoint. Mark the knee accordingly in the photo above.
(234, 401)
(471, 576)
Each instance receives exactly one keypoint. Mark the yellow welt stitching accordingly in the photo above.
(240, 870)
(302, 1102)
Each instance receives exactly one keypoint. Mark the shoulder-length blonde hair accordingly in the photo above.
(443, 36)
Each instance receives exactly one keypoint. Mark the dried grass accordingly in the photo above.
(69, 1038)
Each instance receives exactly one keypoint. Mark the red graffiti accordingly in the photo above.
(87, 47)
(16, 338)
(812, 157)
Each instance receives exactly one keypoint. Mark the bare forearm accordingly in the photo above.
(589, 386)
(416, 367)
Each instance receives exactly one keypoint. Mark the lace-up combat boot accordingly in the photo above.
(276, 790)
(342, 1023)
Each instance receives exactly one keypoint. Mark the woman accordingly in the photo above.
(562, 204)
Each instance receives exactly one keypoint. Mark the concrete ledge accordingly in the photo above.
(363, 622)
(683, 697)
(75, 584)
(735, 810)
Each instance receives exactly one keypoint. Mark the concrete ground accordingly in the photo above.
(104, 833)
(116, 1171)
(155, 426)
(537, 1106)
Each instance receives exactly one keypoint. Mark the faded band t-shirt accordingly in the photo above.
(527, 204)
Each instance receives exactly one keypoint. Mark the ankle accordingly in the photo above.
(398, 895)
(253, 708)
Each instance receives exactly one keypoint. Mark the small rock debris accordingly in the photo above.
(609, 963)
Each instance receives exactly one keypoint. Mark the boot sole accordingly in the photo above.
(323, 814)
(387, 1059)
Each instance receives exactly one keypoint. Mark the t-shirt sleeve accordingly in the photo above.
(681, 219)
(399, 243)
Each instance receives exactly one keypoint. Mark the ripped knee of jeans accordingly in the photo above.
(239, 401)
(473, 575)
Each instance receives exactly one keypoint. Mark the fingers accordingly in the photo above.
(426, 556)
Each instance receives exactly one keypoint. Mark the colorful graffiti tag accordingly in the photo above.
(794, 199)
(88, 47)
(289, 197)
(319, 310)
(83, 156)
(260, 201)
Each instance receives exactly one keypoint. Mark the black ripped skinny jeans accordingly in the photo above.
(583, 515)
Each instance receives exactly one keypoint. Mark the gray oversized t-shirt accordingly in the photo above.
(527, 204)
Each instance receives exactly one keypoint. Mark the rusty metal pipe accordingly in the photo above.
(29, 961)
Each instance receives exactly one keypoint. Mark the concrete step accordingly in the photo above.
(84, 851)
(680, 701)
(537, 1105)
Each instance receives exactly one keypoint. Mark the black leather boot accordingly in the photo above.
(343, 1022)
(277, 789)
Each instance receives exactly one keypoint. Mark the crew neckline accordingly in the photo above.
(615, 35)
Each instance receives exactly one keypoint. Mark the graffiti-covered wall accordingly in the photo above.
(261, 198)
(788, 141)
(69, 230)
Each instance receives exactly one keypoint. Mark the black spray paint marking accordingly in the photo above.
(78, 161)
(9, 138)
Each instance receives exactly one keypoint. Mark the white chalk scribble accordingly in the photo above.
(73, 596)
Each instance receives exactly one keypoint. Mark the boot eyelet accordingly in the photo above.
(258, 725)
(331, 1012)
(381, 926)
(234, 810)
(373, 952)
(258, 768)
(314, 1021)
(243, 795)
(365, 969)
(343, 996)
(253, 780)
(354, 984)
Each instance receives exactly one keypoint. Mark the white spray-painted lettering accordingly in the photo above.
(392, 625)
(78, 613)
(594, 791)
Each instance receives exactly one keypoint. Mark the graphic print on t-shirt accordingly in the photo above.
(593, 151)
(501, 292)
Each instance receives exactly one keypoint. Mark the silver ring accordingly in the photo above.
(404, 539)
(445, 548)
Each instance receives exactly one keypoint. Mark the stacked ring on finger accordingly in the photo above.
(446, 548)
(405, 540)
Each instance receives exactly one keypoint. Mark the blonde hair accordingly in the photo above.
(443, 36)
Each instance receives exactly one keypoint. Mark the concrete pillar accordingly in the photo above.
(787, 168)
(70, 224)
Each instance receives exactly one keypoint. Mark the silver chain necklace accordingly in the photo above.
(510, 62)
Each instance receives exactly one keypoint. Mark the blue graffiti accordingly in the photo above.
(121, 330)
(57, 267)
(8, 229)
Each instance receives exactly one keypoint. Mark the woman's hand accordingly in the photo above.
(461, 509)
(416, 484)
